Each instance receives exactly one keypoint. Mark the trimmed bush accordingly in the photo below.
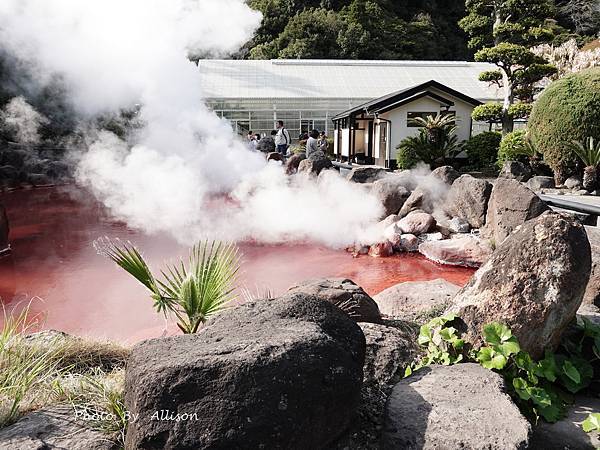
(406, 157)
(482, 148)
(513, 147)
(568, 110)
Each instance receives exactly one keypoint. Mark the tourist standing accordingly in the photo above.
(323, 144)
(312, 144)
(251, 141)
(282, 138)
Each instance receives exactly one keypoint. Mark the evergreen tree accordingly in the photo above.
(502, 31)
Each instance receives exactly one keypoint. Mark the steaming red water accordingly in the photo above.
(78, 291)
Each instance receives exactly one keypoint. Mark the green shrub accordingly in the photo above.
(513, 147)
(488, 112)
(568, 110)
(482, 148)
(406, 156)
(542, 388)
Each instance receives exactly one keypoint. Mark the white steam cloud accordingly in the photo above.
(185, 172)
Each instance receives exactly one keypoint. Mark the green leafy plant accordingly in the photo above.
(482, 149)
(435, 141)
(442, 343)
(589, 153)
(192, 293)
(591, 423)
(541, 388)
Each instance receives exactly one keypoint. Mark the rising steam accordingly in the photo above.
(185, 171)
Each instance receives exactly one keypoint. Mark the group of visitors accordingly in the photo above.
(279, 141)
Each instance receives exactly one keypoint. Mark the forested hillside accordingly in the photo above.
(385, 29)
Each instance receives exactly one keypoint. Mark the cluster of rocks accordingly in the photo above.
(448, 218)
(34, 166)
(322, 366)
(516, 170)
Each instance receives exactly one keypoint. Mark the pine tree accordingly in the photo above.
(502, 31)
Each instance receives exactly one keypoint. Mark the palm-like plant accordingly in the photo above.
(437, 127)
(589, 152)
(192, 293)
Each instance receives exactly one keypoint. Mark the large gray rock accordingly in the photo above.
(592, 291)
(468, 199)
(574, 183)
(511, 204)
(54, 428)
(462, 250)
(366, 174)
(392, 193)
(314, 164)
(431, 191)
(453, 407)
(540, 182)
(390, 349)
(282, 373)
(446, 174)
(343, 293)
(416, 223)
(515, 170)
(415, 300)
(4, 229)
(534, 283)
(567, 432)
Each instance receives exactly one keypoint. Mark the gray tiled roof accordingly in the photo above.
(325, 79)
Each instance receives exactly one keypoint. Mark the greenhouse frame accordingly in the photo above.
(307, 94)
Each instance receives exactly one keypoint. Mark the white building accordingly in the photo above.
(373, 130)
(308, 94)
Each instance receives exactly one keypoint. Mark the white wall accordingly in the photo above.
(399, 118)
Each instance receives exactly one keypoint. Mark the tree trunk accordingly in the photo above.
(589, 178)
(508, 122)
(560, 175)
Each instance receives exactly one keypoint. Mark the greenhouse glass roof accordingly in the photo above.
(341, 79)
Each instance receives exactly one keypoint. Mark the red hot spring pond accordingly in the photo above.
(78, 291)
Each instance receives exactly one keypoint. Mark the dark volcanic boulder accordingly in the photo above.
(390, 349)
(515, 170)
(344, 294)
(468, 199)
(592, 292)
(54, 428)
(453, 407)
(9, 176)
(4, 229)
(365, 174)
(534, 283)
(392, 193)
(283, 373)
(511, 204)
(413, 300)
(314, 164)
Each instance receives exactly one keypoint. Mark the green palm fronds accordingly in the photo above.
(588, 151)
(440, 121)
(191, 293)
